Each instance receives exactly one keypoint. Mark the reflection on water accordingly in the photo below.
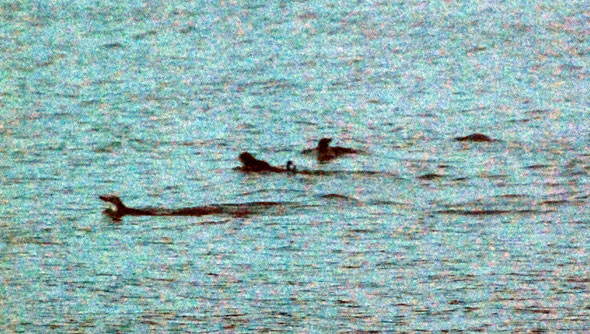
(155, 101)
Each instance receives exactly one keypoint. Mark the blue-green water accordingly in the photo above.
(154, 101)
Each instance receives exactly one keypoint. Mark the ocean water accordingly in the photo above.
(153, 101)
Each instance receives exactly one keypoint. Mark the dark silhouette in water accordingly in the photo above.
(476, 137)
(237, 210)
(251, 164)
(122, 210)
(325, 152)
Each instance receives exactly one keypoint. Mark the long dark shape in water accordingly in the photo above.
(475, 137)
(238, 210)
(252, 165)
(325, 152)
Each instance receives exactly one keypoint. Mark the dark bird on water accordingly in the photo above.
(325, 152)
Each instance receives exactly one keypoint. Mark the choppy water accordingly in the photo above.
(154, 101)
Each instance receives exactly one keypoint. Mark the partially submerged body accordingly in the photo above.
(475, 137)
(238, 210)
(251, 164)
(325, 152)
(122, 210)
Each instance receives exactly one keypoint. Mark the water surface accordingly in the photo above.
(154, 101)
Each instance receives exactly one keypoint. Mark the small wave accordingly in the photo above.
(486, 212)
(429, 177)
(115, 45)
(188, 29)
(473, 212)
(144, 34)
(344, 172)
(533, 310)
(554, 202)
(383, 203)
(538, 111)
(362, 231)
(540, 166)
(493, 176)
(339, 197)
(477, 49)
(512, 196)
(520, 120)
